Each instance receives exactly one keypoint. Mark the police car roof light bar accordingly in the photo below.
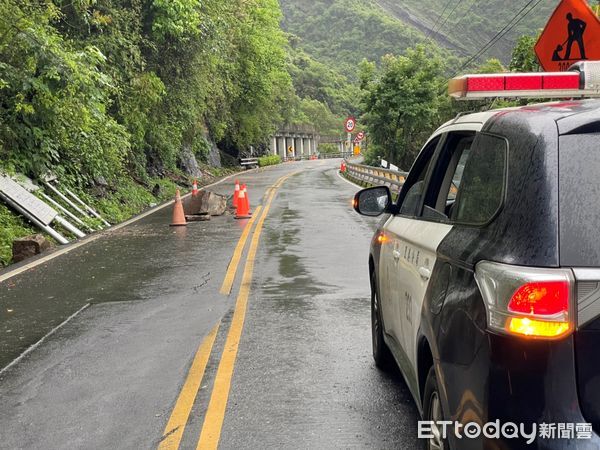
(581, 80)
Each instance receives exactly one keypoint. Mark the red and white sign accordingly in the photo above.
(350, 124)
(571, 35)
(360, 136)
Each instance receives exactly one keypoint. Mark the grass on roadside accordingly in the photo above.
(270, 160)
(11, 227)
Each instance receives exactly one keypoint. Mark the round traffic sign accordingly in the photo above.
(350, 124)
(360, 136)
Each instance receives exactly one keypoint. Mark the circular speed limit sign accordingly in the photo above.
(350, 124)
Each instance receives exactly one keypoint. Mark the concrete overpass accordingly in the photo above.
(295, 142)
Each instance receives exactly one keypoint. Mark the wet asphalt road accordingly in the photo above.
(110, 377)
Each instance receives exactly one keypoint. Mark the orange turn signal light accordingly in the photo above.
(537, 328)
(382, 238)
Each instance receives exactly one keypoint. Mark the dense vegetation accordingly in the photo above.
(115, 96)
(269, 160)
(120, 93)
(404, 99)
(341, 32)
(411, 48)
(92, 88)
(464, 26)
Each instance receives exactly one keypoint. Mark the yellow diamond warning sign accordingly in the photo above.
(571, 35)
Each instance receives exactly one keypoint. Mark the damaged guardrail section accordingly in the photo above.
(46, 212)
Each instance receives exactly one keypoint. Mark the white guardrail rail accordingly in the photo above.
(249, 162)
(376, 176)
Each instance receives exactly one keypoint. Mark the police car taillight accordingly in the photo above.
(525, 301)
(582, 80)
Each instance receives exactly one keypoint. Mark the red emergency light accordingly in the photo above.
(582, 80)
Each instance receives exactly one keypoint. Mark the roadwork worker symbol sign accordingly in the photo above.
(571, 35)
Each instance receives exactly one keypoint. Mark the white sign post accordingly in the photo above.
(350, 125)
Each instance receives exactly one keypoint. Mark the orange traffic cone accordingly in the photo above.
(195, 188)
(236, 194)
(243, 208)
(178, 214)
(245, 189)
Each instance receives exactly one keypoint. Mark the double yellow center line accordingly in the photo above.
(215, 414)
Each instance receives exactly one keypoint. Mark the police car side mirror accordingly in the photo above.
(373, 202)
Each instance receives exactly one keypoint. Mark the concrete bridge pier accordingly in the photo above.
(302, 141)
(273, 146)
(307, 145)
(281, 147)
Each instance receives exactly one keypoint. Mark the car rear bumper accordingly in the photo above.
(532, 383)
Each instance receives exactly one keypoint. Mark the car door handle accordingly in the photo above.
(425, 273)
(396, 255)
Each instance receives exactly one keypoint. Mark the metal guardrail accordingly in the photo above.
(319, 156)
(335, 155)
(296, 158)
(377, 176)
(249, 162)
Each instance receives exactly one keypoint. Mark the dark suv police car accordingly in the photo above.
(486, 278)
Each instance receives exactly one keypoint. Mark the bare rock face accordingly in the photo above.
(214, 155)
(29, 246)
(188, 163)
(205, 202)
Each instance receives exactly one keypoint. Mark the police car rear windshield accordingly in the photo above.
(579, 200)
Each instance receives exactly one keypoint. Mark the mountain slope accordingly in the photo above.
(470, 24)
(342, 32)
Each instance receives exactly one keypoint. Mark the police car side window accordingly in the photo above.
(481, 191)
(447, 175)
(411, 201)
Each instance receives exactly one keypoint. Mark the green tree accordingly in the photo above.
(523, 57)
(402, 104)
(492, 65)
(54, 99)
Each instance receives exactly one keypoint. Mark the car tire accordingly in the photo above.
(432, 411)
(381, 352)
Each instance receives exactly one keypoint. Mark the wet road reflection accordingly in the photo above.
(304, 376)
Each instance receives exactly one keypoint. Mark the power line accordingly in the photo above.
(450, 15)
(508, 27)
(466, 13)
(438, 19)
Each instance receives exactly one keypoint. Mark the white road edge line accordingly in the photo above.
(38, 343)
(95, 237)
(339, 175)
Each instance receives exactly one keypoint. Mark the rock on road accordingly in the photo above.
(111, 376)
